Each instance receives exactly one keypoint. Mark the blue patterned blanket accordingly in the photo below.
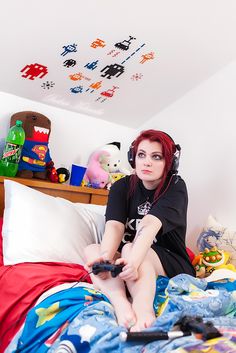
(82, 319)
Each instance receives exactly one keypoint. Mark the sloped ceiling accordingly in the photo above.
(123, 61)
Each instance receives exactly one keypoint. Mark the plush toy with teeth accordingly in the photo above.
(35, 159)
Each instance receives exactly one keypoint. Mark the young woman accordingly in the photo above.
(145, 230)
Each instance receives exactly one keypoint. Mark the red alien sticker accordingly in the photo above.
(34, 70)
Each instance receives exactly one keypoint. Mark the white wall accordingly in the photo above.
(73, 136)
(203, 123)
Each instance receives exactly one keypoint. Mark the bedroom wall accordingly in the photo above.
(203, 123)
(73, 137)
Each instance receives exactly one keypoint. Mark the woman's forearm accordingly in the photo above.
(145, 235)
(112, 237)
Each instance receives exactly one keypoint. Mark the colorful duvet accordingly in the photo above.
(81, 319)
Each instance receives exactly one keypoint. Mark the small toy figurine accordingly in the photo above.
(95, 175)
(104, 167)
(211, 259)
(63, 174)
(35, 159)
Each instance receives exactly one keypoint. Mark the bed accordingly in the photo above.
(48, 303)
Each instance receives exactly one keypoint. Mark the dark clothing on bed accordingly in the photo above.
(170, 208)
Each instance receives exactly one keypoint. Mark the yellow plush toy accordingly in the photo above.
(211, 259)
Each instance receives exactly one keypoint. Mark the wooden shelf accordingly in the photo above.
(69, 192)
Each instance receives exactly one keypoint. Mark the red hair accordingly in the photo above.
(168, 150)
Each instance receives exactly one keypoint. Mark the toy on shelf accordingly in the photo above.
(35, 159)
(104, 167)
(210, 260)
(95, 175)
(63, 174)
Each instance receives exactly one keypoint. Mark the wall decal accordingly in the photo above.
(99, 65)
(69, 63)
(98, 43)
(113, 53)
(91, 66)
(34, 70)
(79, 76)
(113, 70)
(76, 77)
(110, 92)
(107, 94)
(146, 57)
(48, 84)
(125, 44)
(132, 54)
(93, 86)
(70, 48)
(136, 77)
(77, 89)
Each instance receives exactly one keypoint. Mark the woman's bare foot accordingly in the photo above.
(144, 320)
(124, 312)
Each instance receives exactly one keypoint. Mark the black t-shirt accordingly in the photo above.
(170, 209)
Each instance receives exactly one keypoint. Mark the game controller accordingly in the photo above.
(107, 266)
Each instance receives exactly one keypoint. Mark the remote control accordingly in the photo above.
(107, 266)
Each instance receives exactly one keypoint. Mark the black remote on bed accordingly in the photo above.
(106, 266)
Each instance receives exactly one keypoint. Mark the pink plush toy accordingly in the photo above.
(95, 175)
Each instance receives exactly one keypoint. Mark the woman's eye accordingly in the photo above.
(157, 157)
(141, 155)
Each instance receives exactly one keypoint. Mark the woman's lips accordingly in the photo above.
(146, 171)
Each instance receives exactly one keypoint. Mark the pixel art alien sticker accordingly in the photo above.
(111, 64)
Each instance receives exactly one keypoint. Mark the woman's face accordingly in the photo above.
(149, 163)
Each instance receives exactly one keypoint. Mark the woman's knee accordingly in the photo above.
(91, 250)
(126, 250)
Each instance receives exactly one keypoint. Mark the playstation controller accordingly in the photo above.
(105, 267)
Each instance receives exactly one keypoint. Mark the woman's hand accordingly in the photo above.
(88, 266)
(129, 271)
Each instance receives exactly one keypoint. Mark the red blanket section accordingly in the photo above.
(22, 284)
(1, 259)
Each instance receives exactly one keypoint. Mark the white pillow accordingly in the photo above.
(216, 234)
(40, 228)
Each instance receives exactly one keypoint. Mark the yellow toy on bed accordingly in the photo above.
(210, 260)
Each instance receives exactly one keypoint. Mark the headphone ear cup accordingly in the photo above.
(131, 157)
(175, 162)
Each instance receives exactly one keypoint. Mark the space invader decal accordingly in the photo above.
(98, 43)
(107, 94)
(34, 70)
(69, 49)
(94, 86)
(91, 66)
(77, 89)
(112, 70)
(124, 45)
(76, 77)
(110, 92)
(69, 63)
(146, 57)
